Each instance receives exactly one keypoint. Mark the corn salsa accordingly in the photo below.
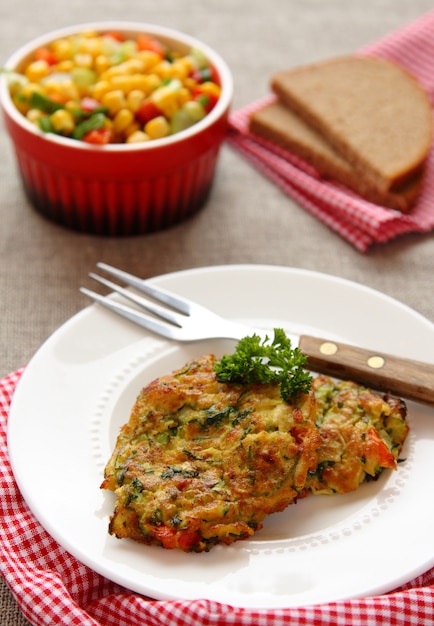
(107, 88)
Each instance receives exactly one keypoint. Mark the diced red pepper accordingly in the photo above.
(99, 136)
(166, 535)
(144, 42)
(114, 34)
(89, 104)
(377, 446)
(44, 54)
(188, 538)
(214, 75)
(171, 538)
(147, 111)
(207, 100)
(57, 97)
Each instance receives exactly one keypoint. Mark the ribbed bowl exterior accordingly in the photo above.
(119, 190)
(117, 207)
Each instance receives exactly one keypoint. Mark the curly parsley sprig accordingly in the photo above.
(255, 360)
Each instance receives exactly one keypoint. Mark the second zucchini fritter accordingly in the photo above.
(361, 432)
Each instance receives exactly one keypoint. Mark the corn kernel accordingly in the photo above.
(62, 49)
(107, 74)
(183, 96)
(65, 90)
(132, 128)
(165, 99)
(211, 88)
(72, 105)
(101, 63)
(180, 69)
(112, 71)
(134, 99)
(157, 127)
(63, 66)
(114, 100)
(37, 70)
(33, 115)
(83, 59)
(189, 62)
(132, 66)
(91, 46)
(100, 89)
(87, 42)
(137, 137)
(190, 83)
(163, 69)
(148, 58)
(89, 34)
(121, 82)
(123, 118)
(124, 83)
(63, 122)
(143, 82)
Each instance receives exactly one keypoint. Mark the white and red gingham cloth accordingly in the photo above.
(52, 587)
(360, 222)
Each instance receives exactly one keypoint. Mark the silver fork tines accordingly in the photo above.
(180, 319)
(183, 321)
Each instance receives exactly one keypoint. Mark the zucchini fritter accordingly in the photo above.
(202, 462)
(361, 432)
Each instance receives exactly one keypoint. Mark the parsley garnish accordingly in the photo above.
(255, 360)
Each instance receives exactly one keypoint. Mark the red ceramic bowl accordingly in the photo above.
(119, 189)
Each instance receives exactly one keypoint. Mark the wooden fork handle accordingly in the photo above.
(413, 380)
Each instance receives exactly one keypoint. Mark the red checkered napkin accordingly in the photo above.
(357, 220)
(52, 587)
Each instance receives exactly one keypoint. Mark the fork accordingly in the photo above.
(183, 320)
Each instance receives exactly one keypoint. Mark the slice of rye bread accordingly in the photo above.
(371, 110)
(282, 126)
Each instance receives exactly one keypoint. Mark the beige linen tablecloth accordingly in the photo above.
(246, 220)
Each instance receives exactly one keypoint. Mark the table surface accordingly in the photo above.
(246, 220)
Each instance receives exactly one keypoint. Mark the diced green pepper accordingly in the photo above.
(42, 103)
(81, 114)
(94, 122)
(83, 76)
(45, 124)
(180, 121)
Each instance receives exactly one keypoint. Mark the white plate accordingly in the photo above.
(78, 390)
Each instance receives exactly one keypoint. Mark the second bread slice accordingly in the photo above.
(276, 123)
